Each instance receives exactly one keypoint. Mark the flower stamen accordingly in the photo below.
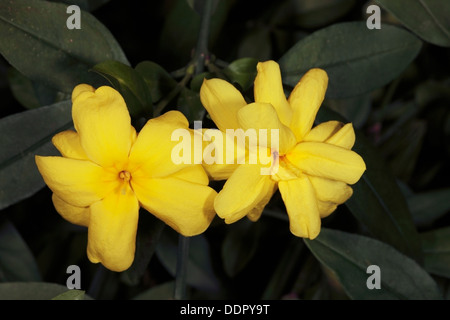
(125, 175)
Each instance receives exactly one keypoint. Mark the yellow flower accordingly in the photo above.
(107, 172)
(315, 166)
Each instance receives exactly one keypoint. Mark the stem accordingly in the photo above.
(182, 262)
(201, 51)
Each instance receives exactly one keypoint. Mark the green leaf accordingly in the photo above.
(70, 295)
(242, 72)
(37, 42)
(158, 80)
(349, 255)
(149, 232)
(160, 292)
(22, 136)
(199, 5)
(377, 201)
(428, 206)
(130, 84)
(356, 109)
(356, 59)
(190, 105)
(199, 269)
(239, 246)
(32, 291)
(256, 43)
(87, 5)
(16, 260)
(436, 248)
(429, 19)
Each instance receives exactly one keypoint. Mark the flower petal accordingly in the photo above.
(327, 161)
(256, 212)
(151, 154)
(78, 182)
(103, 123)
(302, 207)
(305, 101)
(331, 190)
(246, 189)
(222, 101)
(333, 132)
(269, 89)
(76, 215)
(257, 116)
(112, 230)
(69, 145)
(186, 207)
(326, 208)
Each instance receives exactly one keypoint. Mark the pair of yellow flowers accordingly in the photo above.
(107, 171)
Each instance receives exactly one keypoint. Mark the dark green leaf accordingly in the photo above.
(70, 295)
(239, 246)
(349, 255)
(199, 5)
(190, 105)
(436, 248)
(22, 136)
(16, 260)
(429, 19)
(242, 72)
(256, 43)
(377, 201)
(199, 269)
(428, 206)
(130, 84)
(149, 231)
(31, 291)
(158, 80)
(197, 81)
(36, 41)
(87, 5)
(356, 59)
(356, 109)
(160, 292)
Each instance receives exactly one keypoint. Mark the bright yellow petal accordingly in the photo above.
(76, 215)
(195, 174)
(151, 154)
(256, 212)
(305, 101)
(78, 182)
(302, 207)
(327, 161)
(246, 189)
(103, 123)
(222, 153)
(326, 208)
(186, 207)
(112, 230)
(331, 190)
(222, 101)
(68, 144)
(257, 116)
(269, 89)
(333, 132)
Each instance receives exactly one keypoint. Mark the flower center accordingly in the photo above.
(286, 170)
(125, 175)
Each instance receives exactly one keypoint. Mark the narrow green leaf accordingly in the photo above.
(242, 72)
(87, 5)
(22, 136)
(199, 5)
(32, 291)
(36, 41)
(377, 201)
(149, 232)
(356, 59)
(349, 256)
(428, 206)
(239, 246)
(16, 260)
(70, 295)
(429, 19)
(356, 109)
(199, 269)
(158, 80)
(130, 84)
(436, 248)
